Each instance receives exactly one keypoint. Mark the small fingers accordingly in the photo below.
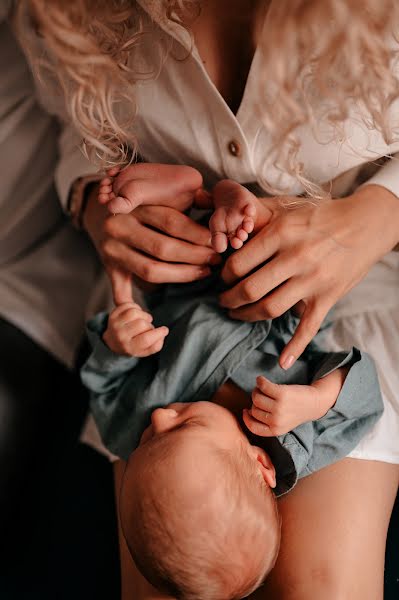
(267, 387)
(130, 316)
(149, 339)
(263, 401)
(255, 426)
(157, 347)
(260, 415)
(123, 307)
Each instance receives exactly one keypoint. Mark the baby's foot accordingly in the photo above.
(130, 332)
(277, 409)
(233, 220)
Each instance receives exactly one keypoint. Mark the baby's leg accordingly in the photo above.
(277, 409)
(233, 219)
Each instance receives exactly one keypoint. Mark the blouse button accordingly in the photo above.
(234, 148)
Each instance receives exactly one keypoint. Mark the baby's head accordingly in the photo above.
(196, 507)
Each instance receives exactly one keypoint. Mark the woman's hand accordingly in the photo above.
(154, 243)
(309, 256)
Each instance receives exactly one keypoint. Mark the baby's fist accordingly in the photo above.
(130, 332)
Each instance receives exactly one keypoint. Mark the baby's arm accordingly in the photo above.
(130, 332)
(277, 409)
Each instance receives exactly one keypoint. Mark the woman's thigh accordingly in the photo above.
(333, 534)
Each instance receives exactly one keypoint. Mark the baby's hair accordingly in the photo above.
(220, 546)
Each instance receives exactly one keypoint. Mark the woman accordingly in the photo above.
(328, 71)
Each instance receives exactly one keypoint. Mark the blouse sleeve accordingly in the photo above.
(388, 175)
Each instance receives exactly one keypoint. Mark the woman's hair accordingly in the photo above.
(320, 58)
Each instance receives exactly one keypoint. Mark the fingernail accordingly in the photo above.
(288, 362)
(214, 259)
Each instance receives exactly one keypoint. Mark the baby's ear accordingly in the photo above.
(264, 464)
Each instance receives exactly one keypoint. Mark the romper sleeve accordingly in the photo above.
(116, 384)
(316, 444)
(104, 371)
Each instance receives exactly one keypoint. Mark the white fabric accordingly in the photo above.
(50, 276)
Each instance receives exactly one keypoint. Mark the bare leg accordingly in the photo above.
(334, 532)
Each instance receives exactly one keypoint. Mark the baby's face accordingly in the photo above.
(195, 428)
(203, 420)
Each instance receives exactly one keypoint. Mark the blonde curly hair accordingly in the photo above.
(319, 56)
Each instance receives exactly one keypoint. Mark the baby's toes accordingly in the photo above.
(219, 242)
(236, 243)
(250, 210)
(248, 225)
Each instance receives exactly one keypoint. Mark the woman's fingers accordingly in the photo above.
(174, 223)
(260, 283)
(276, 303)
(121, 282)
(148, 268)
(310, 323)
(168, 249)
(257, 251)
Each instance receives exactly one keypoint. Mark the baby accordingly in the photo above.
(196, 505)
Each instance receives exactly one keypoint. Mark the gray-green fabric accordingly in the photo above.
(204, 348)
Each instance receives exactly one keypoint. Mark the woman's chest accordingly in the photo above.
(210, 116)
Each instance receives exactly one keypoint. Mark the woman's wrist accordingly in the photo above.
(380, 208)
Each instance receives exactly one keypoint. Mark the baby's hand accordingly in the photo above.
(130, 332)
(233, 219)
(277, 409)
